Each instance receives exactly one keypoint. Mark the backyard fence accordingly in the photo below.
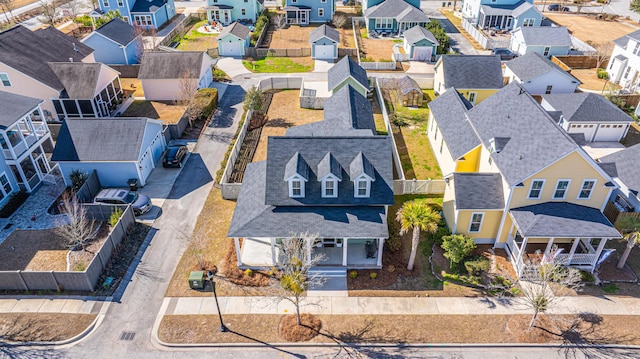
(418, 187)
(575, 62)
(89, 189)
(356, 22)
(280, 83)
(378, 65)
(477, 34)
(347, 51)
(232, 190)
(75, 281)
(181, 28)
(258, 53)
(127, 71)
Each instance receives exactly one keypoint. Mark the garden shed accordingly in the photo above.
(420, 44)
(324, 43)
(233, 40)
(412, 95)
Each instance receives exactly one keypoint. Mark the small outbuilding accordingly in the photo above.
(324, 43)
(420, 44)
(412, 95)
(233, 40)
(116, 43)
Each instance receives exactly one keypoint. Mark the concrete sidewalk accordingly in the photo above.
(66, 306)
(398, 306)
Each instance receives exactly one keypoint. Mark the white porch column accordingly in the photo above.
(380, 251)
(548, 249)
(273, 252)
(523, 246)
(344, 251)
(573, 250)
(603, 241)
(237, 242)
(309, 249)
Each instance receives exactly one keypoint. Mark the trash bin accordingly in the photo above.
(196, 280)
(133, 184)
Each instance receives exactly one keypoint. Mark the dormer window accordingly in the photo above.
(330, 187)
(296, 188)
(363, 188)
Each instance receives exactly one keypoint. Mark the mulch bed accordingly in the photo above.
(309, 327)
(386, 276)
(608, 272)
(237, 276)
(193, 133)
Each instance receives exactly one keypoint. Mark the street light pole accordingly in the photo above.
(213, 284)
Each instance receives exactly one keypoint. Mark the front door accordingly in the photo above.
(226, 18)
(303, 17)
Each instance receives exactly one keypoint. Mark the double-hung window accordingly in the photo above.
(5, 186)
(476, 222)
(4, 78)
(120, 3)
(561, 189)
(586, 189)
(320, 12)
(536, 189)
(105, 3)
(329, 189)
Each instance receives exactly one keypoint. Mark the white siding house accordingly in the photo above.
(545, 40)
(624, 64)
(539, 76)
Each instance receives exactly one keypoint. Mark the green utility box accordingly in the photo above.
(196, 280)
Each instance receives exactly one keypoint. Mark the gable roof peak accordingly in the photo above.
(296, 166)
(329, 165)
(359, 166)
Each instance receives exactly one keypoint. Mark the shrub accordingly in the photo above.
(477, 265)
(115, 216)
(393, 244)
(205, 102)
(78, 178)
(219, 74)
(442, 231)
(13, 203)
(610, 288)
(80, 266)
(457, 246)
(587, 277)
(248, 272)
(373, 275)
(353, 274)
(602, 74)
(391, 268)
(441, 35)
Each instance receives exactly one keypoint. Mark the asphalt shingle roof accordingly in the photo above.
(344, 69)
(346, 112)
(450, 112)
(624, 165)
(170, 65)
(546, 35)
(30, 52)
(472, 71)
(100, 139)
(236, 29)
(586, 107)
(78, 78)
(119, 31)
(406, 84)
(147, 5)
(624, 40)
(562, 219)
(535, 141)
(13, 107)
(253, 218)
(478, 191)
(376, 149)
(398, 9)
(418, 33)
(532, 65)
(324, 31)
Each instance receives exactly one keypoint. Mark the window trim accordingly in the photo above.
(590, 191)
(120, 3)
(474, 95)
(528, 22)
(531, 188)
(320, 12)
(8, 80)
(566, 190)
(357, 181)
(297, 179)
(471, 222)
(6, 194)
(105, 3)
(334, 181)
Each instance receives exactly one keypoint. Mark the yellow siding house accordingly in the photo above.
(476, 77)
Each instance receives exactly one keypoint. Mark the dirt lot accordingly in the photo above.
(588, 28)
(42, 327)
(166, 111)
(295, 37)
(378, 49)
(283, 113)
(589, 79)
(579, 329)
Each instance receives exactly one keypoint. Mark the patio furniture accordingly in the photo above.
(370, 248)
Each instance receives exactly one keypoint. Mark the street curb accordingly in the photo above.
(73, 340)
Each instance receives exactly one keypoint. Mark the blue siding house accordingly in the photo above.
(115, 43)
(393, 15)
(228, 11)
(144, 13)
(501, 14)
(303, 12)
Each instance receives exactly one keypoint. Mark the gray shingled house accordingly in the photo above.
(115, 42)
(332, 179)
(324, 42)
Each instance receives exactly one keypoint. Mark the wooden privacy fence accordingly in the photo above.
(575, 62)
(614, 215)
(76, 281)
(258, 53)
(232, 190)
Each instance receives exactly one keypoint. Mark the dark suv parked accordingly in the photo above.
(556, 7)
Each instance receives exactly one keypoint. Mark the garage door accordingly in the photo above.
(609, 133)
(324, 52)
(231, 49)
(146, 166)
(422, 53)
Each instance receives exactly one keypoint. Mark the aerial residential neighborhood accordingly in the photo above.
(297, 178)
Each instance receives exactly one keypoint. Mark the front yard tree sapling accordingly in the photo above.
(416, 216)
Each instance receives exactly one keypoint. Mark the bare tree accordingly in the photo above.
(77, 228)
(74, 7)
(538, 292)
(280, 22)
(7, 6)
(49, 10)
(339, 21)
(197, 248)
(187, 86)
(296, 260)
(603, 52)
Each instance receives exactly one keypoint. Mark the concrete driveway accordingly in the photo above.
(322, 65)
(232, 66)
(419, 67)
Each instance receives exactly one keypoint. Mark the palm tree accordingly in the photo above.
(416, 216)
(630, 227)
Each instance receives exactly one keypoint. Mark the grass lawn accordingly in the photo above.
(132, 84)
(166, 111)
(280, 64)
(197, 41)
(252, 328)
(42, 327)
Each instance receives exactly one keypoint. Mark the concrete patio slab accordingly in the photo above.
(322, 65)
(232, 67)
(600, 149)
(419, 67)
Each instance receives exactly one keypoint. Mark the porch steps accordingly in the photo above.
(330, 272)
(334, 282)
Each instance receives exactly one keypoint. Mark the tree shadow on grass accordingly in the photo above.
(22, 329)
(279, 122)
(586, 336)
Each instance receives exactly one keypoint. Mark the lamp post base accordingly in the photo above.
(224, 329)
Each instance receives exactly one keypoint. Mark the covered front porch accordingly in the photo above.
(557, 232)
(297, 15)
(496, 18)
(219, 14)
(357, 253)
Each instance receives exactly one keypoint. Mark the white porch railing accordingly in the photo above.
(578, 259)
